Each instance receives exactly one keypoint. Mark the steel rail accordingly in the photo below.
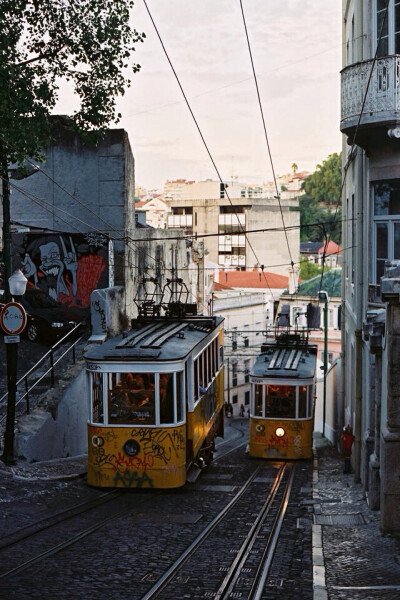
(234, 571)
(20, 535)
(63, 545)
(269, 551)
(170, 573)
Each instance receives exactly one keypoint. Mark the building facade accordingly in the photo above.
(241, 232)
(248, 302)
(81, 189)
(370, 122)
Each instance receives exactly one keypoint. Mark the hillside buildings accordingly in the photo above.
(370, 122)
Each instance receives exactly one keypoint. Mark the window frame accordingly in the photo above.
(391, 31)
(390, 220)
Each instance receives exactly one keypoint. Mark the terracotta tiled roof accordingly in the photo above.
(331, 248)
(253, 279)
(219, 287)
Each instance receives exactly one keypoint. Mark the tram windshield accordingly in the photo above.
(282, 401)
(138, 398)
(131, 398)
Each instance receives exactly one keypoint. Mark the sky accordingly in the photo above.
(296, 48)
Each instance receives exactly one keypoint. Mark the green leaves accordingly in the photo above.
(320, 212)
(87, 42)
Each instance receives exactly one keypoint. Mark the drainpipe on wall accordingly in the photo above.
(359, 313)
(358, 405)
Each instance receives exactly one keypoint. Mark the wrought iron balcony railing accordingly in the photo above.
(382, 103)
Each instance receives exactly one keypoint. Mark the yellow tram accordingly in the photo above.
(155, 402)
(282, 399)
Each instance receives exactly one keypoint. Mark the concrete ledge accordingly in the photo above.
(319, 586)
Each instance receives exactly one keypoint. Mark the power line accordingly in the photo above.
(265, 129)
(199, 130)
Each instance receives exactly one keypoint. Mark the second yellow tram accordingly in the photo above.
(282, 399)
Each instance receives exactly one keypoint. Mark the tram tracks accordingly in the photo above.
(247, 573)
(35, 530)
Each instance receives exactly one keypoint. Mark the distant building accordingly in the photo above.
(244, 231)
(247, 301)
(289, 186)
(307, 293)
(314, 253)
(155, 212)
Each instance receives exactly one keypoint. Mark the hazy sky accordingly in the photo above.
(296, 46)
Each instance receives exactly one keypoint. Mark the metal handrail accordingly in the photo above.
(49, 354)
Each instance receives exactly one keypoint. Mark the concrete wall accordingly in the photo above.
(81, 188)
(108, 312)
(60, 429)
(331, 427)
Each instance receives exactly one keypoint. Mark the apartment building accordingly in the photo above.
(370, 122)
(241, 232)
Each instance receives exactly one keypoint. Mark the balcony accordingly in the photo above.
(180, 221)
(382, 104)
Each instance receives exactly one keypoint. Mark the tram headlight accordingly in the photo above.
(279, 432)
(131, 447)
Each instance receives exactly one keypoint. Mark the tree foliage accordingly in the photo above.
(325, 183)
(308, 270)
(86, 42)
(320, 212)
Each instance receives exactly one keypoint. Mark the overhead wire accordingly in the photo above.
(278, 197)
(200, 132)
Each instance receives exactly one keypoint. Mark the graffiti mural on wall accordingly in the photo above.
(68, 267)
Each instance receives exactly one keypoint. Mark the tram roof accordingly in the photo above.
(290, 359)
(156, 339)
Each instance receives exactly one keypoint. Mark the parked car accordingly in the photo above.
(46, 318)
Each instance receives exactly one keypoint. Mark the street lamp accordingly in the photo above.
(17, 286)
(323, 297)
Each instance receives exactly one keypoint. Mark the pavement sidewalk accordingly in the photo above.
(352, 559)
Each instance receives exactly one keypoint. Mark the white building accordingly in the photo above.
(247, 301)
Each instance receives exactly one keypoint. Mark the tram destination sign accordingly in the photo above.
(12, 318)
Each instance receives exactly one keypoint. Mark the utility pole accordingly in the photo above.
(323, 297)
(12, 349)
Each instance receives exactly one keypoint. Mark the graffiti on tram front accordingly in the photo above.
(158, 449)
(161, 445)
(130, 479)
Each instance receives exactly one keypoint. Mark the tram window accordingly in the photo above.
(310, 399)
(205, 363)
(280, 401)
(209, 361)
(97, 398)
(201, 372)
(179, 397)
(196, 379)
(131, 399)
(302, 402)
(258, 412)
(166, 398)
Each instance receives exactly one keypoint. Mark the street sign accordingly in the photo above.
(11, 339)
(13, 318)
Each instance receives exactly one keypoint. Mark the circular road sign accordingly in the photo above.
(13, 318)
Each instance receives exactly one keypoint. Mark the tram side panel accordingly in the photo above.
(206, 420)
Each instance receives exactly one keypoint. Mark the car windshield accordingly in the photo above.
(38, 299)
